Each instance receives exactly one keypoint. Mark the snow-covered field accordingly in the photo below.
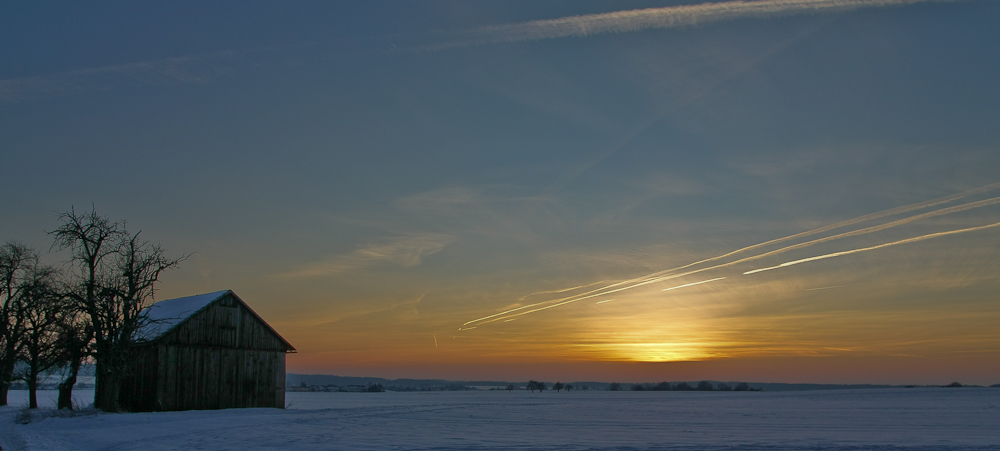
(878, 419)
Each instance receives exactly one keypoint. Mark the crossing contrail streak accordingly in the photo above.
(826, 288)
(672, 274)
(669, 273)
(865, 249)
(693, 284)
(567, 300)
(586, 297)
(872, 229)
(849, 222)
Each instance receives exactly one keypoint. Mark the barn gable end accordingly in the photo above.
(208, 351)
(226, 322)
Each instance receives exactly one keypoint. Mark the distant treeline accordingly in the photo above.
(662, 386)
(326, 382)
(376, 388)
(331, 383)
(684, 386)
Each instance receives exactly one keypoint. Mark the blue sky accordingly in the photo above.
(376, 174)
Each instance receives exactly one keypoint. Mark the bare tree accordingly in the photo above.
(43, 311)
(17, 265)
(558, 386)
(116, 274)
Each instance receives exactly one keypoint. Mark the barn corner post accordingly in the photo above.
(279, 382)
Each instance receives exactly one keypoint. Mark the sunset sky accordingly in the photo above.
(509, 190)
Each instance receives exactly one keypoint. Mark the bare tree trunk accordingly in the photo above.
(66, 386)
(6, 372)
(32, 391)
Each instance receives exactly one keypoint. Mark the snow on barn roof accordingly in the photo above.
(164, 315)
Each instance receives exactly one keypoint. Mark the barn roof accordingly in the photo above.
(165, 315)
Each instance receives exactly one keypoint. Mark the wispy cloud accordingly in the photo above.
(188, 69)
(656, 18)
(442, 199)
(406, 251)
(207, 67)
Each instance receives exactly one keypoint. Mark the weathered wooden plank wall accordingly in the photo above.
(219, 378)
(138, 392)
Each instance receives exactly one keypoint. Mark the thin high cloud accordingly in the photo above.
(189, 69)
(406, 251)
(206, 68)
(659, 18)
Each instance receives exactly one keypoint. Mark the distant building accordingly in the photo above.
(209, 351)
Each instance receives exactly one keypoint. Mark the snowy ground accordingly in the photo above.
(883, 419)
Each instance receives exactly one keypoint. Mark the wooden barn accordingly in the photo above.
(209, 351)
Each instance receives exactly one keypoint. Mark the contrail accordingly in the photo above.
(655, 18)
(872, 229)
(561, 290)
(849, 222)
(570, 299)
(826, 288)
(864, 249)
(670, 273)
(580, 299)
(692, 284)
